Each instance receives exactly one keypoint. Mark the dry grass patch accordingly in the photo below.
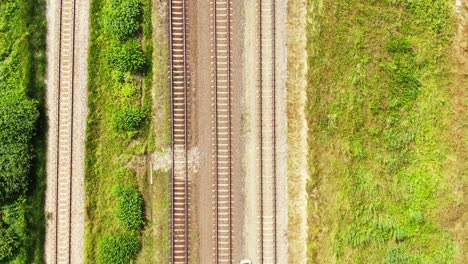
(297, 131)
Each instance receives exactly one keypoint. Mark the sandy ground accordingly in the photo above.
(250, 112)
(79, 127)
(281, 121)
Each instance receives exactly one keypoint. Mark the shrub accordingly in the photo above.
(118, 249)
(8, 243)
(127, 57)
(17, 124)
(123, 18)
(129, 119)
(129, 206)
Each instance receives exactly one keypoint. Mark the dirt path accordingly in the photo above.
(78, 120)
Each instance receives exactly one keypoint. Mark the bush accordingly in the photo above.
(129, 119)
(17, 124)
(123, 18)
(129, 206)
(127, 58)
(118, 249)
(8, 243)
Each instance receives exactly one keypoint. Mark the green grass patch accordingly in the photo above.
(121, 135)
(378, 113)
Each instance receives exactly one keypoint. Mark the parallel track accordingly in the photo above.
(179, 88)
(267, 99)
(222, 130)
(64, 131)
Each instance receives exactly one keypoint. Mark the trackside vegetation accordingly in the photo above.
(119, 249)
(121, 134)
(22, 53)
(378, 114)
(129, 206)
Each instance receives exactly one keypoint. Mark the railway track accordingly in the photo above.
(179, 88)
(267, 120)
(65, 83)
(221, 65)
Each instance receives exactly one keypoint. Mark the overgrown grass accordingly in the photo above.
(123, 157)
(22, 71)
(378, 115)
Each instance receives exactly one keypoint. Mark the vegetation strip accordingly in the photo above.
(121, 202)
(297, 132)
(22, 62)
(378, 91)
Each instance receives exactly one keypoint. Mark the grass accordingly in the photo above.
(24, 36)
(379, 114)
(124, 157)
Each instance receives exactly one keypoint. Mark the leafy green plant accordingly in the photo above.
(129, 206)
(118, 249)
(129, 119)
(127, 58)
(8, 243)
(123, 18)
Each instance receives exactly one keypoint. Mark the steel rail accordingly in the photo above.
(171, 63)
(274, 129)
(186, 135)
(216, 132)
